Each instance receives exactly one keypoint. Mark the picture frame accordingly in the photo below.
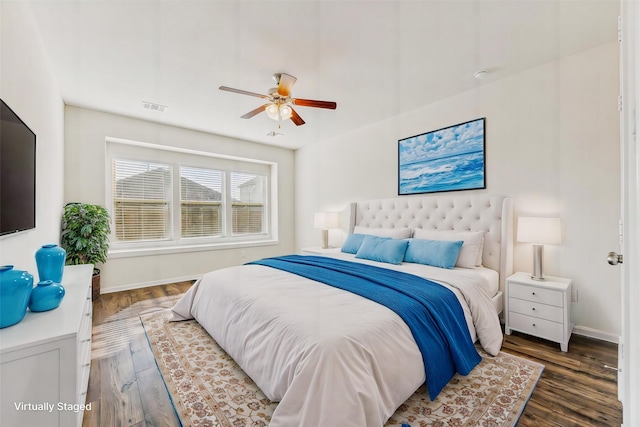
(448, 159)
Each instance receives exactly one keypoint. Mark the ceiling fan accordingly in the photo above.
(280, 103)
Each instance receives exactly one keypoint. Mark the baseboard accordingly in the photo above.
(132, 286)
(589, 333)
(595, 334)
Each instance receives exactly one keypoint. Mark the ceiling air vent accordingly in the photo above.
(154, 107)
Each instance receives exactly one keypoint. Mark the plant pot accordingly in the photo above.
(95, 285)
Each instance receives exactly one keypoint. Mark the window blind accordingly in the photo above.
(169, 198)
(201, 202)
(248, 203)
(141, 200)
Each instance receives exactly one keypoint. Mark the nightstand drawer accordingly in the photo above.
(541, 311)
(539, 295)
(535, 326)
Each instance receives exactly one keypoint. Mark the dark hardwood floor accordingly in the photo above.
(126, 389)
(575, 389)
(125, 386)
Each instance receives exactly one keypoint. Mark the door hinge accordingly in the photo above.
(619, 102)
(619, 28)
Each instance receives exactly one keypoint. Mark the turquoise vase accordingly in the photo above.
(15, 290)
(50, 261)
(46, 296)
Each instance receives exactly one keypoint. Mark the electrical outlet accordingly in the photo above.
(574, 295)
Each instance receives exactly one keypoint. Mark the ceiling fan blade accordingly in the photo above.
(313, 103)
(295, 118)
(254, 112)
(286, 83)
(242, 92)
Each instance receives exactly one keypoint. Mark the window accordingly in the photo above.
(172, 198)
(201, 208)
(248, 203)
(141, 200)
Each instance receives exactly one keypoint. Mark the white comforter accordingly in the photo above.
(331, 358)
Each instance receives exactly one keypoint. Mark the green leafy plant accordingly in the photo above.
(85, 233)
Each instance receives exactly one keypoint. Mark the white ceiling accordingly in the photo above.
(375, 59)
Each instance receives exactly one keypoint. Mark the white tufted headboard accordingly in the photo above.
(491, 214)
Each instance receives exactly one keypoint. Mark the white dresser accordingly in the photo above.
(539, 308)
(45, 359)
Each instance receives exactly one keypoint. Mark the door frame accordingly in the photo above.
(629, 363)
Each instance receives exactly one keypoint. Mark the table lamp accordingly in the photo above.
(539, 231)
(325, 221)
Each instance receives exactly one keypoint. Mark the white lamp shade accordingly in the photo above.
(285, 112)
(272, 111)
(539, 230)
(326, 220)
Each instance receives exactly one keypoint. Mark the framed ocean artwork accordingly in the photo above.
(448, 159)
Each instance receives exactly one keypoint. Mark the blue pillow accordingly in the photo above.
(352, 244)
(383, 249)
(438, 253)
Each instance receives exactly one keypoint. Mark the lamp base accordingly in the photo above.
(325, 239)
(538, 257)
(539, 279)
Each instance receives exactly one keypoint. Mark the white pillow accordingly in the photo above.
(471, 251)
(394, 233)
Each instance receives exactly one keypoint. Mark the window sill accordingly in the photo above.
(165, 250)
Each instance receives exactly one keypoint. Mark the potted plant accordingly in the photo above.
(85, 237)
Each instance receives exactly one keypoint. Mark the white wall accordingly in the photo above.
(85, 133)
(552, 145)
(27, 86)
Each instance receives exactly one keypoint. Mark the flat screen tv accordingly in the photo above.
(17, 173)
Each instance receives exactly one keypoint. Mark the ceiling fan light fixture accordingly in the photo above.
(279, 103)
(272, 111)
(285, 112)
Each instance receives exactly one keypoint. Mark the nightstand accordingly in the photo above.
(317, 250)
(539, 308)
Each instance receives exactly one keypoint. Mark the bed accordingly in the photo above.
(332, 357)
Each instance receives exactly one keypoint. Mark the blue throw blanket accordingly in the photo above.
(432, 312)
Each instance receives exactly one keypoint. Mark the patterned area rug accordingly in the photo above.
(210, 390)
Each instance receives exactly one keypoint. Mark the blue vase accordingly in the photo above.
(46, 296)
(15, 290)
(50, 261)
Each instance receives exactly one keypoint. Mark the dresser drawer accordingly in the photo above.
(84, 349)
(539, 295)
(534, 326)
(541, 311)
(84, 333)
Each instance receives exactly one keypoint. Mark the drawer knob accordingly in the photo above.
(534, 324)
(533, 293)
(534, 309)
